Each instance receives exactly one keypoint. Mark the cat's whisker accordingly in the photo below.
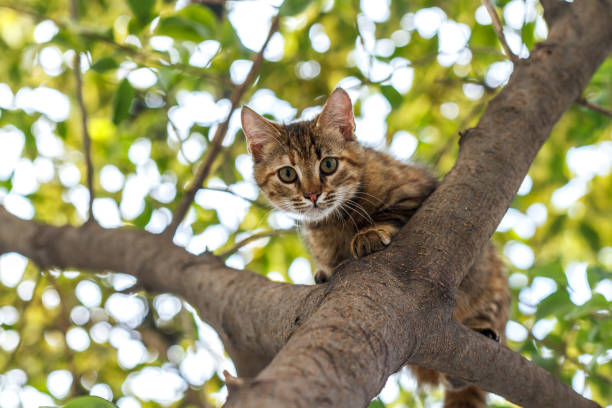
(361, 190)
(336, 213)
(358, 208)
(363, 196)
(350, 217)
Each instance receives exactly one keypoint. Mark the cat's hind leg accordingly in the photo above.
(467, 397)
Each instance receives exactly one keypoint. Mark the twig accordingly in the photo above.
(594, 107)
(215, 146)
(181, 141)
(500, 32)
(563, 352)
(258, 203)
(254, 237)
(451, 141)
(74, 13)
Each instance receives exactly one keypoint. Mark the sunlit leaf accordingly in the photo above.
(193, 23)
(89, 402)
(142, 9)
(293, 7)
(377, 403)
(557, 303)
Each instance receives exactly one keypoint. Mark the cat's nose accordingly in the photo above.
(312, 196)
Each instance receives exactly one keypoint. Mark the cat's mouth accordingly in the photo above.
(318, 210)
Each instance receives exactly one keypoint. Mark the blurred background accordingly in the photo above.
(157, 76)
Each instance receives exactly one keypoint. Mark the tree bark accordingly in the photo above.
(334, 345)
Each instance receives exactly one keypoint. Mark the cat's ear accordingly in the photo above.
(338, 113)
(258, 131)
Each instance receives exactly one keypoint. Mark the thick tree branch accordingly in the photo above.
(553, 10)
(236, 303)
(216, 144)
(334, 345)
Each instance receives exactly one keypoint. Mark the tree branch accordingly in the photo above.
(592, 106)
(215, 146)
(74, 13)
(254, 237)
(553, 10)
(500, 31)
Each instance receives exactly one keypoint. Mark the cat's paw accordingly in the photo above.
(370, 240)
(321, 276)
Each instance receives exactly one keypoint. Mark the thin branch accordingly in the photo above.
(181, 141)
(563, 352)
(254, 237)
(594, 107)
(74, 14)
(257, 203)
(500, 32)
(451, 140)
(215, 146)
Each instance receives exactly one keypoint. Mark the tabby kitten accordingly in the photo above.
(352, 200)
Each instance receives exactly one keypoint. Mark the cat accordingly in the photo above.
(352, 200)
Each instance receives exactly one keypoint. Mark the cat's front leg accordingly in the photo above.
(372, 239)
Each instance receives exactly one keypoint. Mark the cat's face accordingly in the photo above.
(310, 168)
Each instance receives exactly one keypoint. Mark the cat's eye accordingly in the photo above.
(287, 174)
(329, 165)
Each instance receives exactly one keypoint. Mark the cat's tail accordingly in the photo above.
(463, 397)
(466, 397)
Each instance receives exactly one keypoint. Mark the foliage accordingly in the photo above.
(89, 402)
(156, 81)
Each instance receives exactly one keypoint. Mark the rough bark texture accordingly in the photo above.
(334, 345)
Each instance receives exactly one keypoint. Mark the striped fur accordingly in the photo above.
(360, 207)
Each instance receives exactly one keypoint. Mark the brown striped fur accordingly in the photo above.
(358, 210)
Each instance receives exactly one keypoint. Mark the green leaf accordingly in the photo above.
(395, 98)
(293, 7)
(104, 64)
(597, 302)
(123, 101)
(142, 9)
(557, 304)
(591, 236)
(377, 403)
(595, 274)
(89, 402)
(553, 270)
(193, 23)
